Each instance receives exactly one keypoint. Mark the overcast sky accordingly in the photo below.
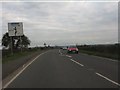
(63, 23)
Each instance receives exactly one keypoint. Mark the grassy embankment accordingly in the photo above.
(7, 56)
(106, 55)
(108, 51)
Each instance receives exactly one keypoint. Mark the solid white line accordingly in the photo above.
(77, 62)
(68, 56)
(107, 79)
(23, 70)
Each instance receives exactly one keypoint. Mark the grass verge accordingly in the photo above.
(106, 55)
(16, 56)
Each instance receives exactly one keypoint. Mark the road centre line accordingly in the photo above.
(77, 62)
(98, 74)
(23, 70)
(107, 79)
(64, 55)
(60, 52)
(68, 56)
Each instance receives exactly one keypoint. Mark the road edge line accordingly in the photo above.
(107, 79)
(6, 85)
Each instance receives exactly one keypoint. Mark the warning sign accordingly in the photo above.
(15, 29)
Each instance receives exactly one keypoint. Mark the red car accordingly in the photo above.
(72, 49)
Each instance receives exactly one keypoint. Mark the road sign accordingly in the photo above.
(15, 29)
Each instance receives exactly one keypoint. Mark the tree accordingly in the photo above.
(24, 41)
(45, 45)
(6, 40)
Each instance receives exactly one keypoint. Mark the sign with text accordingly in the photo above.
(15, 29)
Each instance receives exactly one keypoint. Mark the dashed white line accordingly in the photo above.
(22, 70)
(77, 62)
(68, 56)
(60, 52)
(107, 79)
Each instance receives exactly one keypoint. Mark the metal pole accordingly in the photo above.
(11, 45)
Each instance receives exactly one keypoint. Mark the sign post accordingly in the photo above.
(15, 29)
(11, 45)
(21, 43)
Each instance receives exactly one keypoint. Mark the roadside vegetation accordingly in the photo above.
(104, 50)
(7, 56)
(19, 46)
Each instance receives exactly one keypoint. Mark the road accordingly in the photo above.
(57, 69)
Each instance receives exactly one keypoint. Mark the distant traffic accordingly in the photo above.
(70, 49)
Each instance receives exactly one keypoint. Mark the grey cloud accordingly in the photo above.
(64, 22)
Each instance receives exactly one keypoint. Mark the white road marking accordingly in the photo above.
(68, 56)
(77, 62)
(23, 70)
(107, 79)
(60, 52)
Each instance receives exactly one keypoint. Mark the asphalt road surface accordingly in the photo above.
(57, 69)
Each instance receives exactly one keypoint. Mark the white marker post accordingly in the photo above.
(15, 29)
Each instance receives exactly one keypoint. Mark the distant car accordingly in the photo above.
(64, 48)
(72, 49)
